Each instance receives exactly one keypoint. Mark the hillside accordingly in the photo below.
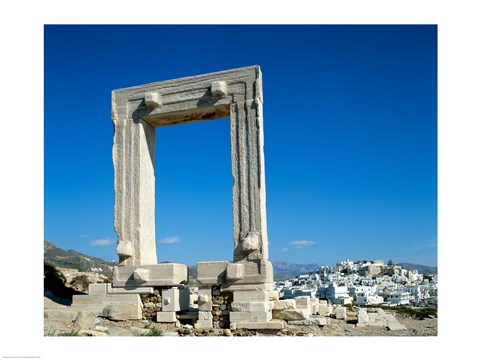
(72, 259)
(283, 270)
(422, 269)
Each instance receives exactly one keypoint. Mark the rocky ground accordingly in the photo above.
(333, 327)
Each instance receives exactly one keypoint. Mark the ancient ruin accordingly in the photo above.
(136, 111)
(230, 296)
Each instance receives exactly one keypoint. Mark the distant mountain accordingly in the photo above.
(422, 269)
(283, 270)
(72, 259)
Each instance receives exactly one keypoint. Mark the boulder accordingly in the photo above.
(85, 320)
(291, 314)
(340, 313)
(283, 304)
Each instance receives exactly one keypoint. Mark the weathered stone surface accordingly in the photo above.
(252, 306)
(165, 274)
(247, 296)
(203, 324)
(85, 320)
(255, 272)
(340, 313)
(235, 271)
(152, 100)
(241, 272)
(135, 113)
(139, 331)
(118, 331)
(284, 304)
(175, 299)
(95, 308)
(303, 302)
(393, 324)
(362, 317)
(273, 324)
(105, 300)
(274, 295)
(91, 333)
(325, 310)
(261, 286)
(141, 275)
(205, 315)
(98, 289)
(66, 314)
(166, 316)
(211, 272)
(128, 304)
(291, 314)
(170, 333)
(204, 299)
(314, 306)
(318, 321)
(118, 312)
(314, 321)
(250, 316)
(101, 328)
(129, 290)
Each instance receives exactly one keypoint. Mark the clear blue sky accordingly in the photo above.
(350, 116)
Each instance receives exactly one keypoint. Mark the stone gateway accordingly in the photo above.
(136, 111)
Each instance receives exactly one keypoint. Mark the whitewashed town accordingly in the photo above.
(364, 283)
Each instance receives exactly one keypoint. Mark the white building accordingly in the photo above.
(365, 295)
(414, 276)
(398, 298)
(367, 281)
(337, 294)
(363, 299)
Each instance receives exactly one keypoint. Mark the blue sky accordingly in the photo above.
(350, 116)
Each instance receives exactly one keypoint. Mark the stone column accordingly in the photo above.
(249, 206)
(134, 168)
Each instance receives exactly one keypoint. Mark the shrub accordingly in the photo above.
(82, 281)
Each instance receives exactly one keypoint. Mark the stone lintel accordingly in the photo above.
(189, 99)
(211, 272)
(227, 273)
(165, 274)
